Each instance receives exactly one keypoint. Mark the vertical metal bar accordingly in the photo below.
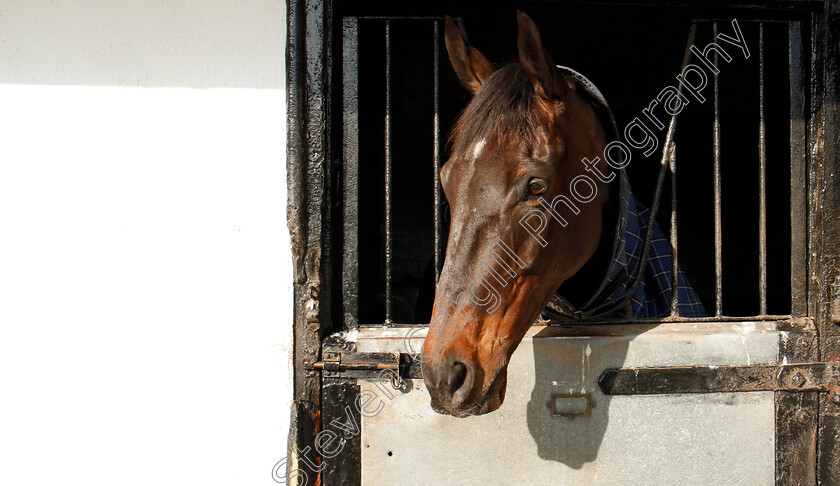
(799, 215)
(815, 105)
(762, 180)
(797, 419)
(350, 270)
(675, 283)
(309, 50)
(389, 243)
(436, 175)
(306, 388)
(344, 466)
(718, 236)
(826, 228)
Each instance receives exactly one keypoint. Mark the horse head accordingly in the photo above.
(525, 215)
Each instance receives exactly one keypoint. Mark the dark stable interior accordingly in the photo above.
(631, 53)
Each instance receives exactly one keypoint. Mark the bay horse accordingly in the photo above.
(532, 133)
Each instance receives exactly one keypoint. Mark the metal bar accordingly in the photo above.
(320, 365)
(675, 283)
(815, 119)
(302, 423)
(436, 175)
(308, 90)
(718, 236)
(720, 379)
(796, 417)
(796, 429)
(799, 216)
(344, 465)
(747, 19)
(389, 243)
(350, 283)
(657, 320)
(388, 18)
(762, 180)
(826, 228)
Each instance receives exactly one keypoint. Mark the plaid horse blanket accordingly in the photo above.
(629, 289)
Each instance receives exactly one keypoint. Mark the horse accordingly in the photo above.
(536, 219)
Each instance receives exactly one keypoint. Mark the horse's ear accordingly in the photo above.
(547, 79)
(471, 66)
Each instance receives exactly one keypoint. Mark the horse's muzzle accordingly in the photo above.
(455, 391)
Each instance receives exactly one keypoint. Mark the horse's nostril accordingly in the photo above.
(461, 380)
(457, 375)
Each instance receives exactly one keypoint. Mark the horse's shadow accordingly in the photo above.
(568, 362)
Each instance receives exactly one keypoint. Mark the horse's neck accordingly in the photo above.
(582, 285)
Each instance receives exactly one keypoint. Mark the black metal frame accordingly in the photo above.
(824, 231)
(308, 53)
(806, 423)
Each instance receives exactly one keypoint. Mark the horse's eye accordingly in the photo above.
(537, 187)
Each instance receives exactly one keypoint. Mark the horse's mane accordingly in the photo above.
(503, 111)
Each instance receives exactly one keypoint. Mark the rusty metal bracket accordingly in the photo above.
(798, 377)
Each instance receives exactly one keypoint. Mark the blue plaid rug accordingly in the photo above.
(651, 297)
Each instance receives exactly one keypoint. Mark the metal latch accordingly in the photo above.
(381, 367)
(800, 377)
(344, 363)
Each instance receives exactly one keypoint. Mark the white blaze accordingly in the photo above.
(478, 147)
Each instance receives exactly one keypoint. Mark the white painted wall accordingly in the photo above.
(145, 269)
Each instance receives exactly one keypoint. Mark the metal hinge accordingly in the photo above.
(800, 377)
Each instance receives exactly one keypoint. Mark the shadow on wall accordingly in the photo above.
(567, 365)
(171, 43)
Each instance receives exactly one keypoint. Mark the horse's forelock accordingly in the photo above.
(504, 111)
